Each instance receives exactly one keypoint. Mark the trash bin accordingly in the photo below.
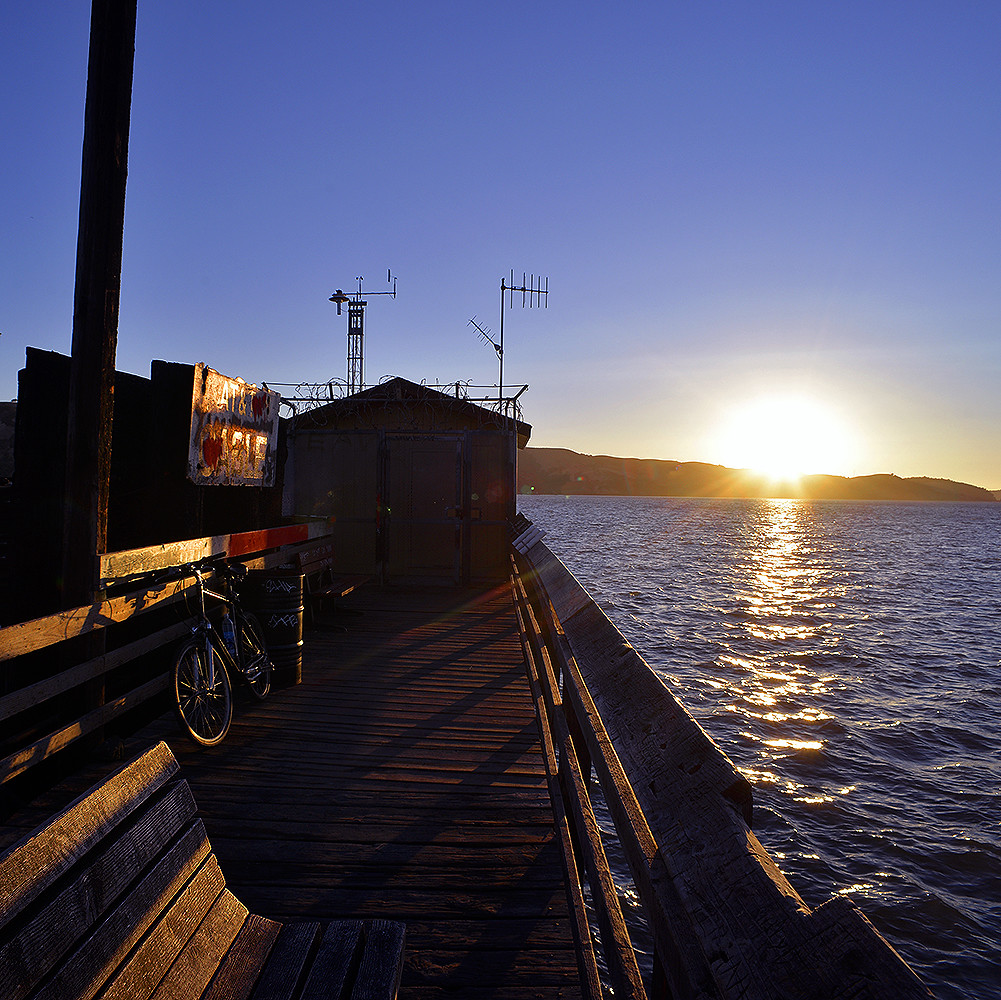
(275, 596)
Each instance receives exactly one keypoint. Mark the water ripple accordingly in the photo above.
(845, 656)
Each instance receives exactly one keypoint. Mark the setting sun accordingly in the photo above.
(785, 437)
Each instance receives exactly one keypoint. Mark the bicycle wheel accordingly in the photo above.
(204, 707)
(256, 664)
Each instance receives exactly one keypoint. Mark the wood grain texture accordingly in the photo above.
(87, 970)
(41, 749)
(381, 963)
(242, 964)
(288, 962)
(402, 780)
(117, 861)
(43, 855)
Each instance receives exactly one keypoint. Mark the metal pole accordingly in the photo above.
(500, 353)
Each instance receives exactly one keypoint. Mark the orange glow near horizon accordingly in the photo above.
(785, 438)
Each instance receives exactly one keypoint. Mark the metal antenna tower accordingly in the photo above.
(533, 293)
(356, 330)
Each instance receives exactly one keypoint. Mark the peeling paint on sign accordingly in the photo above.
(234, 431)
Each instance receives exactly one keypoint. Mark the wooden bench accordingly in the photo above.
(120, 895)
(317, 567)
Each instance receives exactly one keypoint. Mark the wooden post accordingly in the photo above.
(96, 298)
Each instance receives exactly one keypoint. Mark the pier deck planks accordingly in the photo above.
(402, 779)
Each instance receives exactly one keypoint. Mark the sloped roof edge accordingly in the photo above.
(401, 390)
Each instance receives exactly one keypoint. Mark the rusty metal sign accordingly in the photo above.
(234, 431)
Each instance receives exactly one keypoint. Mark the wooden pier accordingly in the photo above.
(403, 779)
(433, 768)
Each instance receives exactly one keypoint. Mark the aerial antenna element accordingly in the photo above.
(533, 293)
(356, 329)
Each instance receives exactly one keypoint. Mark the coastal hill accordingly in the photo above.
(558, 470)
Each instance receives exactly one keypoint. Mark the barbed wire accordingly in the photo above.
(300, 398)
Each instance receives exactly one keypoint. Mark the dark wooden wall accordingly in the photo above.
(151, 499)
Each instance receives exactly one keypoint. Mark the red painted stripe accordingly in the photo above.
(269, 538)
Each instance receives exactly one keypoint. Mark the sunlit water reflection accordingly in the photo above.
(845, 656)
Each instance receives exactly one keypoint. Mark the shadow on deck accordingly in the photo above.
(402, 779)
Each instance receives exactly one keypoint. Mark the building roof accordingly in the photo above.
(402, 395)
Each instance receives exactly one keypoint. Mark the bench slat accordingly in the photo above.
(339, 586)
(119, 897)
(288, 962)
(145, 969)
(381, 962)
(331, 968)
(87, 970)
(50, 851)
(29, 955)
(244, 960)
(199, 960)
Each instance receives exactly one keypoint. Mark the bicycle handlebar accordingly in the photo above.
(216, 563)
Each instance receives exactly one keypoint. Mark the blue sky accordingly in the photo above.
(732, 202)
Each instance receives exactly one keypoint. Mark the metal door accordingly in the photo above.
(423, 507)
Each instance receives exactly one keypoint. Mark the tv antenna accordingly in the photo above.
(356, 329)
(533, 294)
(484, 332)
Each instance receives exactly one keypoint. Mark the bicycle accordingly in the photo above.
(203, 694)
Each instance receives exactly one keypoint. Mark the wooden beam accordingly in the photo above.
(26, 637)
(618, 949)
(122, 565)
(96, 297)
(590, 978)
(34, 694)
(19, 761)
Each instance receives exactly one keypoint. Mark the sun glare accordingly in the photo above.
(785, 437)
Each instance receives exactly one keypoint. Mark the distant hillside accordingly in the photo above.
(558, 470)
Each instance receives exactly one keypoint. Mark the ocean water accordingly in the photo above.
(846, 657)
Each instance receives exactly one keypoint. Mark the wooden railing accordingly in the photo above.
(53, 689)
(724, 920)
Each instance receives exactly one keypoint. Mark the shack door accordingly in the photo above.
(422, 509)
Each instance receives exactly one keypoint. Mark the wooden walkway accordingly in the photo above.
(402, 779)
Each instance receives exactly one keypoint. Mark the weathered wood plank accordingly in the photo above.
(381, 965)
(53, 930)
(45, 854)
(590, 978)
(678, 949)
(132, 562)
(571, 789)
(26, 637)
(40, 691)
(199, 959)
(287, 964)
(331, 969)
(140, 976)
(34, 753)
(84, 973)
(244, 961)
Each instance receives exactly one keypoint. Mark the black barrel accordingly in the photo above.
(275, 596)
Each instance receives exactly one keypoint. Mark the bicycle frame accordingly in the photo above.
(208, 630)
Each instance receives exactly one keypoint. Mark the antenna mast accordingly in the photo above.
(533, 293)
(356, 330)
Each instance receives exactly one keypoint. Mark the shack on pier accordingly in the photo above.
(419, 485)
